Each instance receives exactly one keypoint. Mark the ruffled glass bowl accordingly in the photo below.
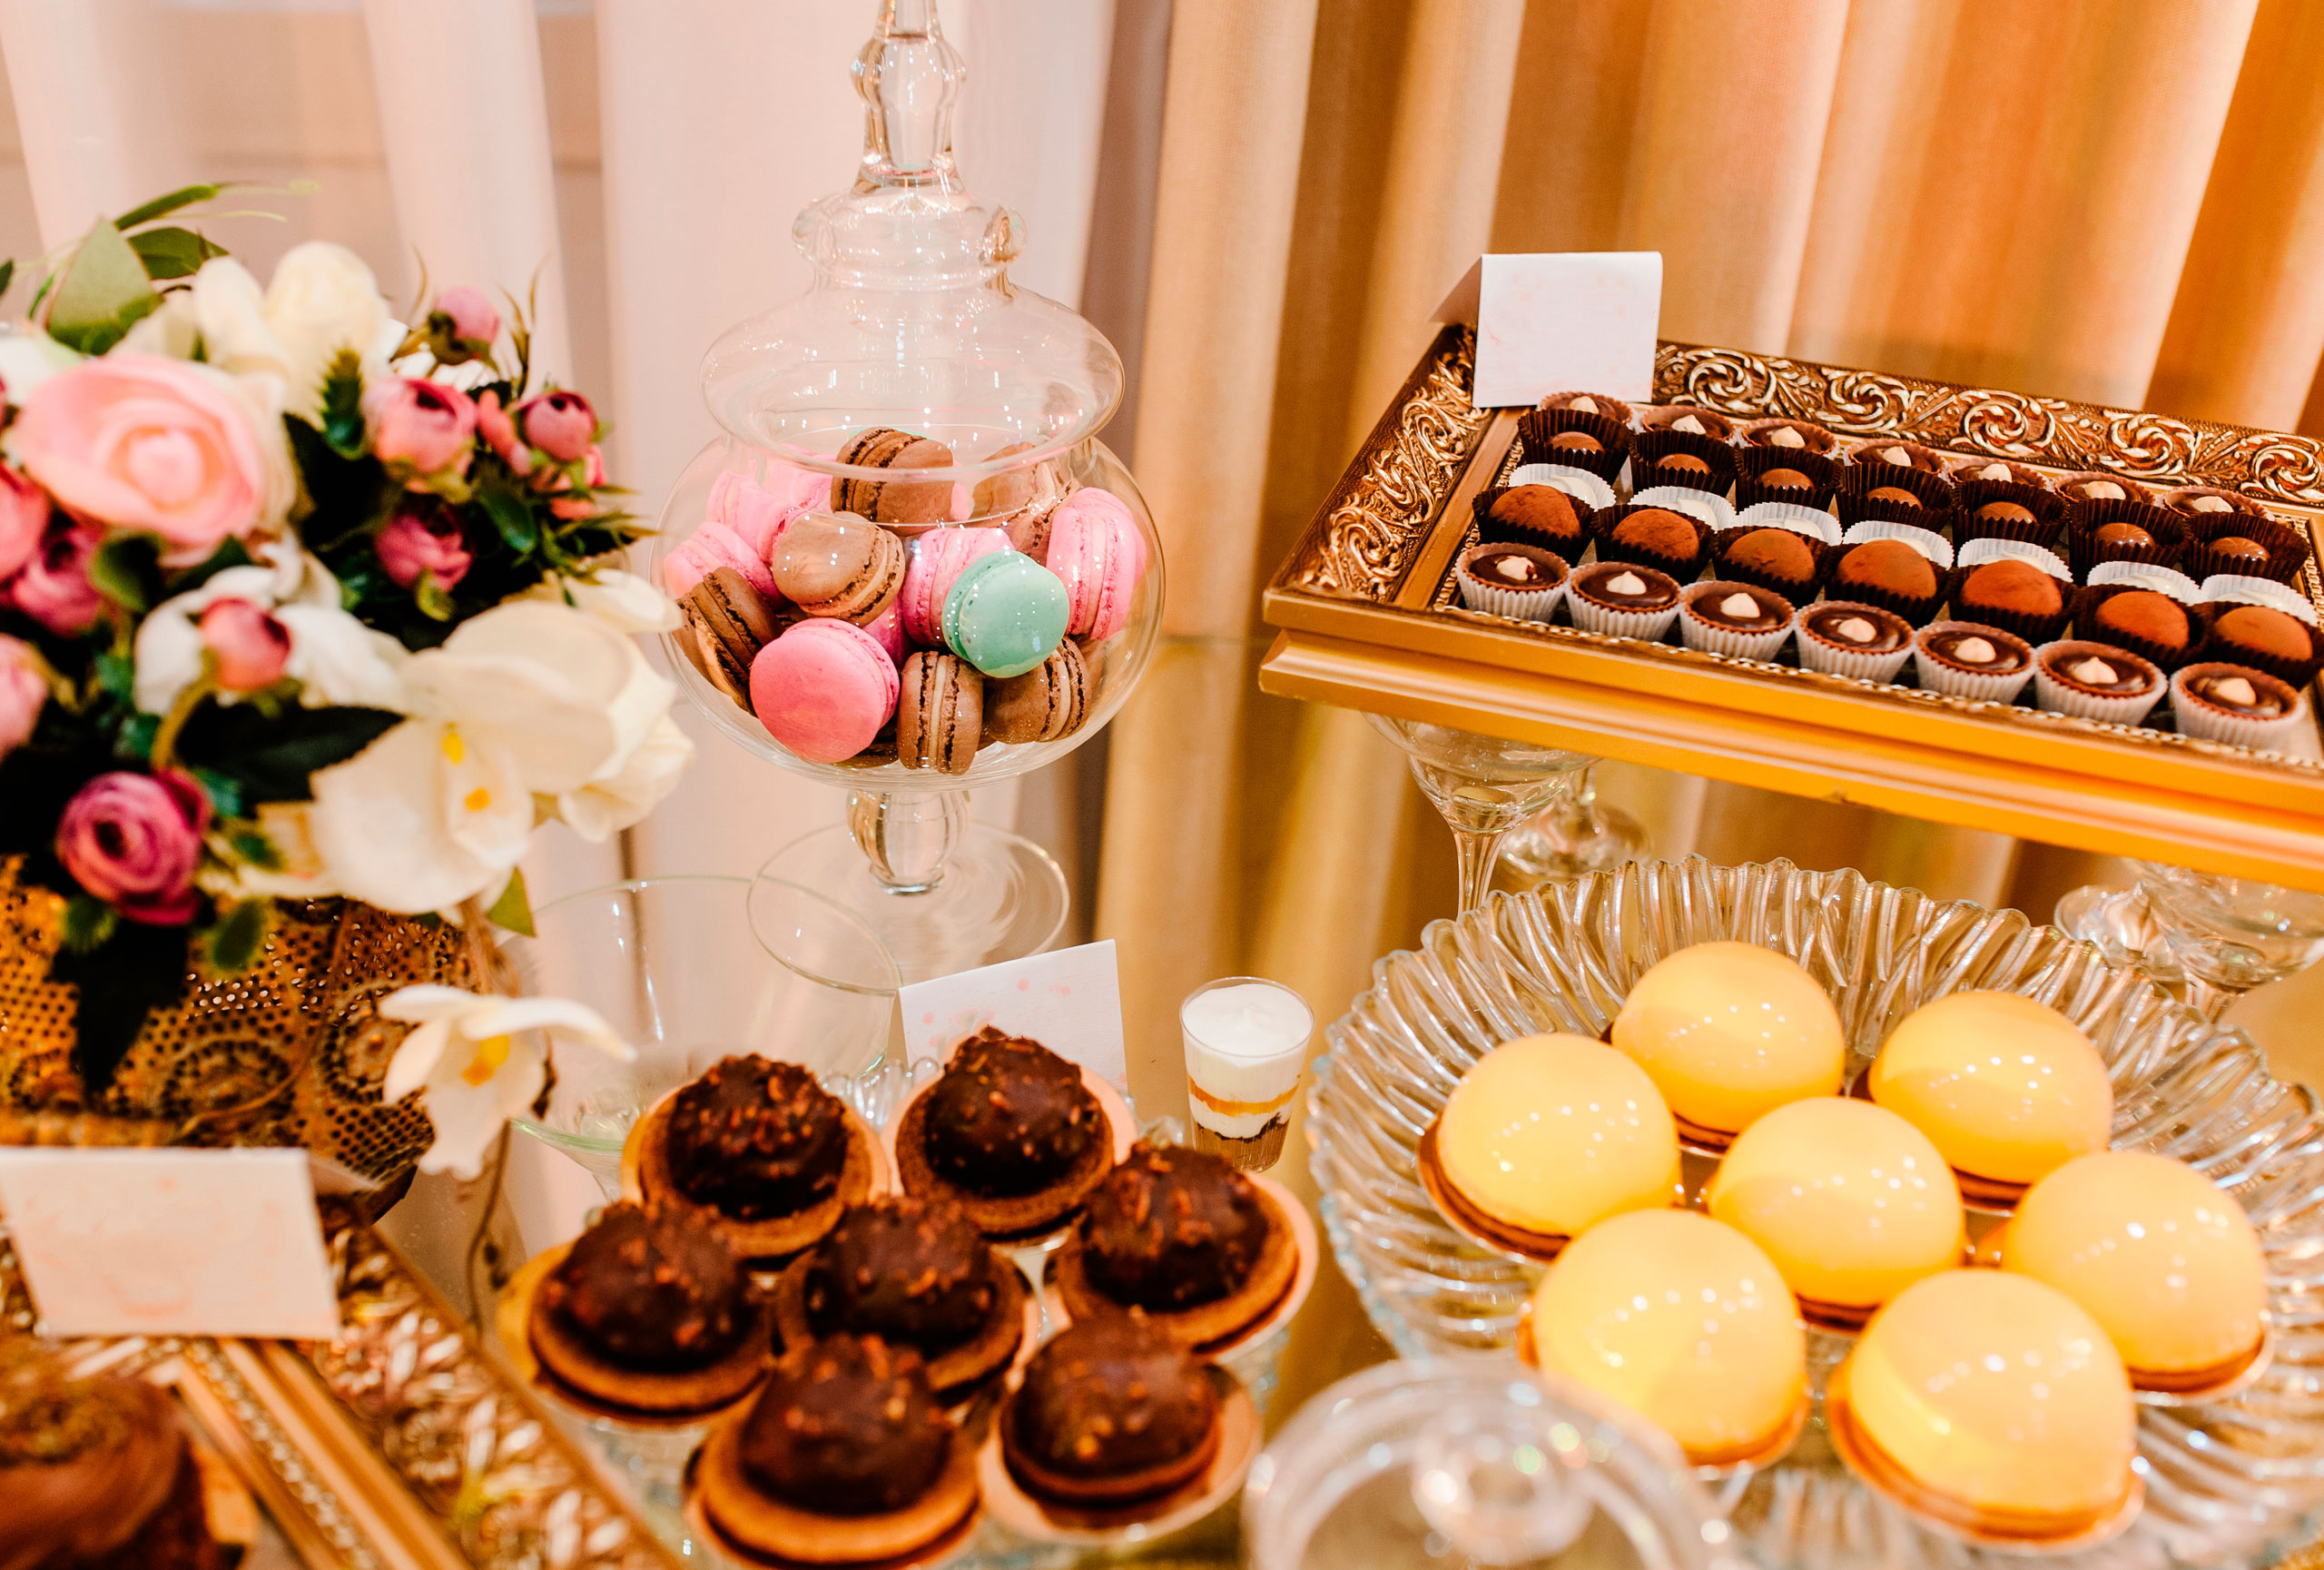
(2231, 1481)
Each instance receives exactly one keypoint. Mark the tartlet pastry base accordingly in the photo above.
(755, 1530)
(951, 1371)
(1247, 1314)
(1764, 1450)
(645, 1176)
(1541, 1247)
(1017, 1218)
(2021, 1531)
(1010, 1502)
(542, 1355)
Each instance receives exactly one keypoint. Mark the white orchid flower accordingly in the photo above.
(335, 658)
(622, 601)
(479, 1061)
(527, 700)
(604, 807)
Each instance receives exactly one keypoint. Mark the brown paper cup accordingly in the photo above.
(1751, 462)
(1647, 469)
(1871, 453)
(1492, 530)
(1857, 503)
(2200, 558)
(2037, 630)
(1662, 416)
(1538, 430)
(2070, 486)
(1813, 437)
(2086, 550)
(2211, 647)
(2087, 604)
(1614, 409)
(1681, 568)
(2048, 508)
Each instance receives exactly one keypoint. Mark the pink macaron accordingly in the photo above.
(888, 627)
(824, 689)
(757, 514)
(937, 558)
(712, 546)
(1095, 549)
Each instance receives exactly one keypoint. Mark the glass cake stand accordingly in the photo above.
(2227, 1481)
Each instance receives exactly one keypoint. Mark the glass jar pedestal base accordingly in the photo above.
(991, 897)
(1573, 836)
(2209, 939)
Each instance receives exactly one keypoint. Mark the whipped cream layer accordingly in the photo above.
(1246, 1043)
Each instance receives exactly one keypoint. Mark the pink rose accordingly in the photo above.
(500, 431)
(252, 647)
(54, 588)
(561, 424)
(135, 841)
(150, 445)
(413, 543)
(21, 694)
(469, 315)
(422, 426)
(23, 519)
(594, 475)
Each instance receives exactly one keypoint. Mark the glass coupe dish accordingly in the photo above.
(2227, 1481)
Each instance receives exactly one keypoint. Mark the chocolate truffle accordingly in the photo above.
(915, 1271)
(1786, 480)
(2122, 534)
(1776, 552)
(1658, 532)
(2014, 587)
(2005, 512)
(753, 1139)
(2146, 615)
(1890, 566)
(1110, 1411)
(1869, 629)
(1543, 507)
(2264, 630)
(650, 1288)
(96, 1475)
(1576, 442)
(2239, 547)
(1009, 1117)
(1682, 463)
(1170, 1229)
(1895, 495)
(846, 1426)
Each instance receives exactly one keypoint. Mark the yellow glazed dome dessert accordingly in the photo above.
(1853, 1203)
(1545, 1135)
(1990, 1402)
(1684, 1322)
(1730, 1031)
(2156, 1254)
(2009, 1088)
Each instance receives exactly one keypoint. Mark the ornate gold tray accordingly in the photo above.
(1368, 621)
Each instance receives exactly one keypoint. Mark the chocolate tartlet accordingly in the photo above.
(647, 1313)
(1978, 650)
(917, 1274)
(1184, 1235)
(1863, 629)
(2097, 681)
(1516, 567)
(1009, 1133)
(771, 1154)
(1897, 455)
(2246, 693)
(98, 1475)
(1889, 567)
(2102, 673)
(2203, 502)
(1743, 609)
(1542, 509)
(1111, 1413)
(845, 1458)
(1614, 597)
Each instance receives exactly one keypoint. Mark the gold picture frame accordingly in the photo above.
(399, 1444)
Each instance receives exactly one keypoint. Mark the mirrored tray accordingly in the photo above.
(2228, 1482)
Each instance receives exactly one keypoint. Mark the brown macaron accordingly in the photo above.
(1047, 703)
(2267, 631)
(839, 564)
(894, 501)
(1658, 532)
(1888, 567)
(2145, 614)
(939, 713)
(1776, 552)
(2012, 588)
(726, 623)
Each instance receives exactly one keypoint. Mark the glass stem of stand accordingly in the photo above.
(1477, 851)
(907, 838)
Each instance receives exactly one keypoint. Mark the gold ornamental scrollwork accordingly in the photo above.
(1375, 522)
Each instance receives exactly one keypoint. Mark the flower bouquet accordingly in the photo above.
(306, 617)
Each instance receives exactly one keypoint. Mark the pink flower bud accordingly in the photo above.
(423, 426)
(572, 507)
(21, 694)
(469, 315)
(53, 587)
(500, 432)
(252, 647)
(561, 424)
(412, 543)
(135, 841)
(23, 519)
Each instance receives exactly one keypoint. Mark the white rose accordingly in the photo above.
(29, 357)
(171, 330)
(230, 313)
(322, 300)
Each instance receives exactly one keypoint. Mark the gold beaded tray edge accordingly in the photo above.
(1367, 620)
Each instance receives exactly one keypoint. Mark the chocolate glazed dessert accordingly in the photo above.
(845, 1458)
(1111, 1413)
(97, 1475)
(772, 1156)
(1009, 1133)
(918, 1274)
(649, 1314)
(1184, 1237)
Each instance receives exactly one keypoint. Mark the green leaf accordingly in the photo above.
(163, 206)
(101, 292)
(225, 791)
(349, 493)
(88, 923)
(173, 252)
(116, 674)
(234, 941)
(230, 554)
(511, 515)
(136, 743)
(343, 403)
(435, 600)
(272, 759)
(127, 570)
(7, 275)
(514, 908)
(255, 848)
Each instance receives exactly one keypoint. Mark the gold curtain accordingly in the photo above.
(2120, 201)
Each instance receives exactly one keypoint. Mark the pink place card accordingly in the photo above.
(1560, 321)
(1070, 1001)
(170, 1242)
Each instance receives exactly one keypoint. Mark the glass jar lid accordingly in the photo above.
(911, 322)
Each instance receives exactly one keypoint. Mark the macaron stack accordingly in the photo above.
(908, 621)
(1982, 578)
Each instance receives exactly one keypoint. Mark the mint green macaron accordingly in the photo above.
(1006, 613)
